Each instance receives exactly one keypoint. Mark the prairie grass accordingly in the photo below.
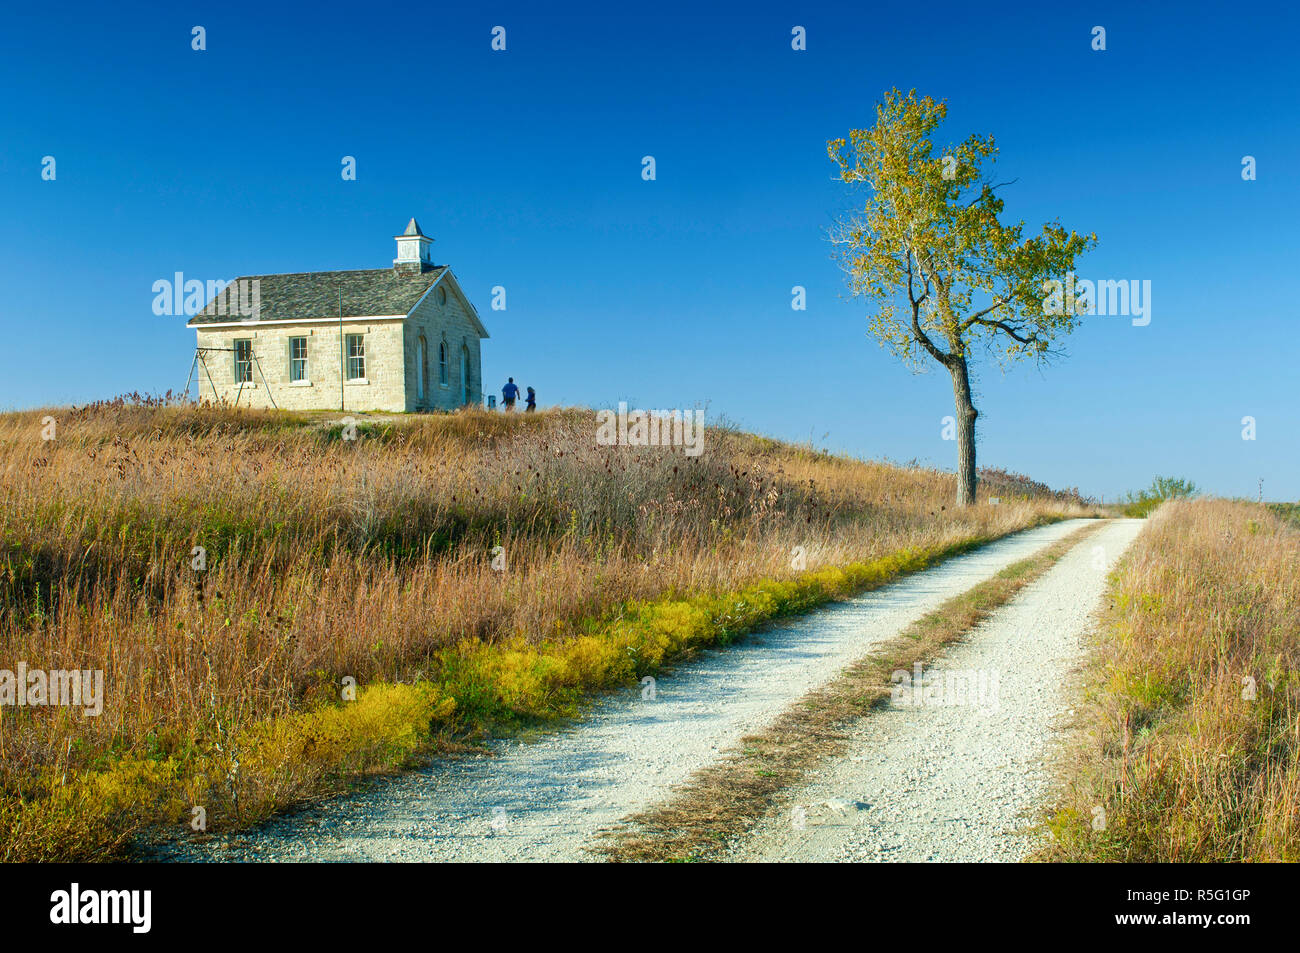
(1191, 747)
(372, 559)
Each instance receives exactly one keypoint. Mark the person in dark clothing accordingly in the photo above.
(509, 393)
(532, 401)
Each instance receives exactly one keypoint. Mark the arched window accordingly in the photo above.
(442, 363)
(464, 374)
(420, 369)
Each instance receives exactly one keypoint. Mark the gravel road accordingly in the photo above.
(957, 782)
(543, 800)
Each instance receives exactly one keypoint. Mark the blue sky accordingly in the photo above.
(525, 166)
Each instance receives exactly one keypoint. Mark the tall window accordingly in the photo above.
(442, 363)
(464, 374)
(297, 359)
(419, 368)
(356, 357)
(243, 362)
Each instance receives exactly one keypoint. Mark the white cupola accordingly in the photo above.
(414, 249)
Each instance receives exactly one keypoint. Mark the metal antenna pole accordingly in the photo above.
(190, 376)
(265, 383)
(208, 371)
(342, 356)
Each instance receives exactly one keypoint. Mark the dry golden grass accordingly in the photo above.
(1192, 744)
(371, 558)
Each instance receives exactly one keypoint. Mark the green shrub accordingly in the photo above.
(1141, 504)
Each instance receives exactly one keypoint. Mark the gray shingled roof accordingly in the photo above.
(316, 294)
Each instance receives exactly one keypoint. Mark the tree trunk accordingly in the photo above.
(966, 415)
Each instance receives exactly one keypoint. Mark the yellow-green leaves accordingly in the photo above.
(928, 248)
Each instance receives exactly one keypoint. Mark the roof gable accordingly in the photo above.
(448, 280)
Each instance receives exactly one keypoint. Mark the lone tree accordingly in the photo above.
(944, 274)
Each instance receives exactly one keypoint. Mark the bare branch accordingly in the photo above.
(978, 315)
(1016, 334)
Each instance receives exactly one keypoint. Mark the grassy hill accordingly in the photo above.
(329, 563)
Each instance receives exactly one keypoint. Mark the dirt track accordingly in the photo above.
(545, 799)
(957, 782)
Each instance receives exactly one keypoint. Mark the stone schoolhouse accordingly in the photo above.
(404, 338)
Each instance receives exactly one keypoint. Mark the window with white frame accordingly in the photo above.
(298, 359)
(356, 345)
(243, 361)
(420, 369)
(442, 363)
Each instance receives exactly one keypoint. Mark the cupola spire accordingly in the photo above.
(414, 250)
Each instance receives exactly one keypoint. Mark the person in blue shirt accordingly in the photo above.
(510, 392)
(531, 400)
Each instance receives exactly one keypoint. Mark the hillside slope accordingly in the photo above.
(235, 574)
